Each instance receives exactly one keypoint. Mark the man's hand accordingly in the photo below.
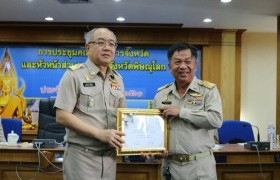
(169, 110)
(157, 156)
(112, 137)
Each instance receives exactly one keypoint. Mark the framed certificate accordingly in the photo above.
(145, 129)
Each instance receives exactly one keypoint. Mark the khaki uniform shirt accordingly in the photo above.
(200, 113)
(84, 92)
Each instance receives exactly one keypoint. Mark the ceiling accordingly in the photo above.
(252, 15)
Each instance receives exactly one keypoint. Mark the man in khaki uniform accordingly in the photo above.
(88, 97)
(194, 110)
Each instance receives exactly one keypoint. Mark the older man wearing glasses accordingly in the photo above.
(86, 104)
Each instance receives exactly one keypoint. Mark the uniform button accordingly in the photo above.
(86, 150)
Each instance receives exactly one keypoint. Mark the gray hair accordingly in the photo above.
(89, 34)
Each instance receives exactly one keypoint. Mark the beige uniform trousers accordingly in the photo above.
(81, 164)
(201, 169)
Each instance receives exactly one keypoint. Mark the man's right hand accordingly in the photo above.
(169, 110)
(112, 137)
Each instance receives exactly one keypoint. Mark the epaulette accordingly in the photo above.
(116, 73)
(76, 66)
(208, 84)
(164, 87)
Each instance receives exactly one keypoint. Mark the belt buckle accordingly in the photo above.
(184, 158)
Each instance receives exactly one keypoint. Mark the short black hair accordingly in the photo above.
(180, 47)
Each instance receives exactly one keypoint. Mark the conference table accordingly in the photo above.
(234, 162)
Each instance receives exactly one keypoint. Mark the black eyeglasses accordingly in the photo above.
(104, 43)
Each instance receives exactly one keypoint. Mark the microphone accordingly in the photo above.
(258, 131)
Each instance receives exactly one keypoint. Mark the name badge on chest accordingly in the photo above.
(89, 84)
(166, 102)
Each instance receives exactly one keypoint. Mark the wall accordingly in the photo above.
(258, 79)
(278, 78)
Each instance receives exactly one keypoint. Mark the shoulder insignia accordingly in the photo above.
(208, 84)
(115, 72)
(164, 87)
(76, 66)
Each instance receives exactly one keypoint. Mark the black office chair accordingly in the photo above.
(48, 128)
(235, 131)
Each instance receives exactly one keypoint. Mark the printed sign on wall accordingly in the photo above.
(35, 72)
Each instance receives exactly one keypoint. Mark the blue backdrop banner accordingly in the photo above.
(144, 69)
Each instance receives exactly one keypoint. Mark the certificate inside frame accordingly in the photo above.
(145, 129)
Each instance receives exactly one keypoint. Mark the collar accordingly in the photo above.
(93, 69)
(193, 86)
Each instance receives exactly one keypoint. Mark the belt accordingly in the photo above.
(188, 158)
(108, 153)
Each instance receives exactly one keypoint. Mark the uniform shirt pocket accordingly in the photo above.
(115, 97)
(90, 98)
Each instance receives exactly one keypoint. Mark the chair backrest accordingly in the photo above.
(48, 128)
(235, 131)
(10, 125)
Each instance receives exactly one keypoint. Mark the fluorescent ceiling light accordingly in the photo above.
(225, 1)
(48, 18)
(117, 0)
(207, 20)
(120, 19)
